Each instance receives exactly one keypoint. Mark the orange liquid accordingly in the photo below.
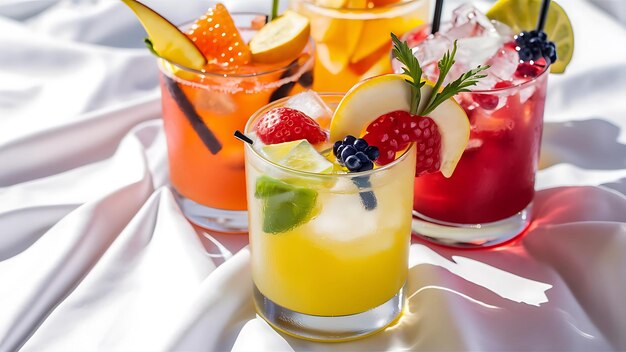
(224, 106)
(355, 43)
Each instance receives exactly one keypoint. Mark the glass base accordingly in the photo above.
(227, 221)
(471, 235)
(329, 328)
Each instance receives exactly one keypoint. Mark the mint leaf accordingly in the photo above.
(284, 206)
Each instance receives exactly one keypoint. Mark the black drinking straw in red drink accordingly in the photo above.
(534, 45)
(543, 15)
(437, 17)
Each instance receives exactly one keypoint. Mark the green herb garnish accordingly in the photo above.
(412, 69)
(274, 10)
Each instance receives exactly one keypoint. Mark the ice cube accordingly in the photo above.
(526, 92)
(502, 67)
(474, 144)
(469, 21)
(432, 50)
(478, 50)
(339, 214)
(311, 104)
(213, 102)
(503, 63)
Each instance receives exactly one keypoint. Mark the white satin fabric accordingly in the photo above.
(95, 255)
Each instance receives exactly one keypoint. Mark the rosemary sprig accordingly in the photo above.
(412, 69)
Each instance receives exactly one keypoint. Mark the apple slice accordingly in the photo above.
(165, 39)
(380, 95)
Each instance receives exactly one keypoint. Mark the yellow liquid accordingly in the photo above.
(345, 260)
(354, 44)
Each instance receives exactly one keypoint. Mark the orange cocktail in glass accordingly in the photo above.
(201, 110)
(352, 36)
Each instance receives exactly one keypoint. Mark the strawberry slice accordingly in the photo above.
(217, 37)
(392, 133)
(285, 125)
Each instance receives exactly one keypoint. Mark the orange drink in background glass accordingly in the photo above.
(201, 110)
(352, 36)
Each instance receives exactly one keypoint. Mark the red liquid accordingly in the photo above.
(496, 175)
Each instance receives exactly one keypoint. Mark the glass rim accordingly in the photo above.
(394, 5)
(349, 175)
(294, 63)
(532, 80)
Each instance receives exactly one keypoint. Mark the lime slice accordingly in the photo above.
(298, 155)
(280, 40)
(522, 15)
(166, 40)
(284, 206)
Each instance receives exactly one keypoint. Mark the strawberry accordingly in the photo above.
(217, 37)
(392, 133)
(285, 125)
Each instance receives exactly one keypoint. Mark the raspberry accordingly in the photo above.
(526, 70)
(218, 39)
(503, 84)
(394, 131)
(285, 125)
(486, 101)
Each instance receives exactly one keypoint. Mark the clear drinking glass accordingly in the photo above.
(488, 199)
(201, 109)
(336, 272)
(353, 42)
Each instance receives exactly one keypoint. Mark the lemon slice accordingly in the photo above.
(298, 155)
(166, 40)
(376, 96)
(280, 40)
(522, 15)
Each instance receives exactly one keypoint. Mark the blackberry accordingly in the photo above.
(357, 155)
(534, 45)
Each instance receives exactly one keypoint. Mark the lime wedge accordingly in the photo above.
(166, 40)
(280, 40)
(298, 155)
(522, 15)
(284, 206)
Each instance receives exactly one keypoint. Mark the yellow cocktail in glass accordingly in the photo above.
(338, 272)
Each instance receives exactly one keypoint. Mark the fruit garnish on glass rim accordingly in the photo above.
(217, 36)
(281, 39)
(165, 39)
(392, 111)
(521, 16)
(214, 40)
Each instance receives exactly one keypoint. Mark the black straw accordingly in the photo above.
(437, 17)
(543, 15)
(242, 137)
(207, 136)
